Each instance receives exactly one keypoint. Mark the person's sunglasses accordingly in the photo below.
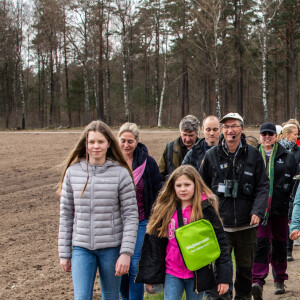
(267, 133)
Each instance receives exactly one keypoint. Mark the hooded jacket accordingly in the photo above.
(151, 177)
(105, 216)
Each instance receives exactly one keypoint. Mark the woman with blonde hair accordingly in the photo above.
(148, 182)
(289, 141)
(98, 213)
(161, 260)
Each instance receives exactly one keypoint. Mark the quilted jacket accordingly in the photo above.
(105, 216)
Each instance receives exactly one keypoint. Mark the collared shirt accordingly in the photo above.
(236, 151)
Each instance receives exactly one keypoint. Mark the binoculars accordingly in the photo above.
(231, 188)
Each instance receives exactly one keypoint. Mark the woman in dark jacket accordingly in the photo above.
(273, 231)
(148, 182)
(289, 142)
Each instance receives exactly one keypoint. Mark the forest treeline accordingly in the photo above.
(66, 62)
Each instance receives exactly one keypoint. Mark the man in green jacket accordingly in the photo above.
(176, 150)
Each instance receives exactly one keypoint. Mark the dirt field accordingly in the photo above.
(29, 210)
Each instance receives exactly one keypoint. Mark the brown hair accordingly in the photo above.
(79, 151)
(167, 201)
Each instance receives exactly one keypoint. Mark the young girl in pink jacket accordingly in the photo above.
(161, 261)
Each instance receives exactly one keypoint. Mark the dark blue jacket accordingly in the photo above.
(195, 155)
(151, 177)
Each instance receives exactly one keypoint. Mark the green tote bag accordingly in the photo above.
(197, 242)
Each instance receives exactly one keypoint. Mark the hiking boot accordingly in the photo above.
(290, 256)
(279, 288)
(256, 291)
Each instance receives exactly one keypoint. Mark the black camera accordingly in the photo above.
(248, 189)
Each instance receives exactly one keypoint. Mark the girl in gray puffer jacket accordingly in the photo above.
(98, 213)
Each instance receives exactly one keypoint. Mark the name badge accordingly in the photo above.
(221, 188)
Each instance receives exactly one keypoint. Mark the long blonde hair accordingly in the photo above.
(167, 201)
(79, 151)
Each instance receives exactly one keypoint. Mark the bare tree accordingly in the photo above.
(80, 40)
(266, 12)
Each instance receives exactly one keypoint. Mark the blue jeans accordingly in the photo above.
(175, 286)
(84, 267)
(129, 289)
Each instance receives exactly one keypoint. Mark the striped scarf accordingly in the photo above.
(270, 173)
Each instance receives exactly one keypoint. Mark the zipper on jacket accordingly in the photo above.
(234, 212)
(92, 208)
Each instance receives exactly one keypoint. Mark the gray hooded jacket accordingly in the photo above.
(105, 216)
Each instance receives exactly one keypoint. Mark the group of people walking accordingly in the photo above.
(118, 209)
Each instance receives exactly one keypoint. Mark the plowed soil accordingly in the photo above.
(29, 215)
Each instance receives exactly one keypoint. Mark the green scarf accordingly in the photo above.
(270, 173)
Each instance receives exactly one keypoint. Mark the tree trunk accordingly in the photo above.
(162, 90)
(107, 71)
(157, 45)
(22, 93)
(66, 71)
(100, 64)
(185, 106)
(85, 73)
(275, 96)
(51, 88)
(264, 79)
(293, 76)
(146, 84)
(287, 83)
(203, 97)
(124, 72)
(130, 74)
(86, 94)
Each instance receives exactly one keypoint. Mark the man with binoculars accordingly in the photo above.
(235, 171)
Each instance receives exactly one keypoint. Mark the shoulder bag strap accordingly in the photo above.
(179, 215)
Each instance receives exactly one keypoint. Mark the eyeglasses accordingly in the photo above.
(267, 133)
(233, 127)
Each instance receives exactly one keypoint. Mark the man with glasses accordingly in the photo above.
(235, 171)
(273, 231)
(211, 131)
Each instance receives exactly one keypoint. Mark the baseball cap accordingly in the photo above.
(231, 115)
(270, 127)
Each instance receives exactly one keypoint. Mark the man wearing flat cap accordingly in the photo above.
(235, 171)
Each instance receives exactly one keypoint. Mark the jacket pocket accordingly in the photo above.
(113, 227)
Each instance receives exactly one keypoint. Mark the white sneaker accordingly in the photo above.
(297, 242)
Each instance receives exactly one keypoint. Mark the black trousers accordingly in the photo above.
(243, 245)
